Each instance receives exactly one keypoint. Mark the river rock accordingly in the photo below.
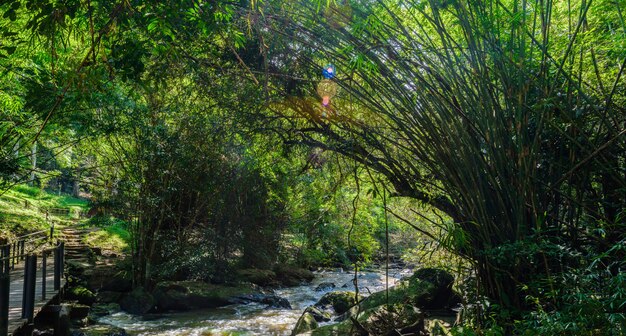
(324, 286)
(305, 323)
(187, 295)
(340, 301)
(138, 302)
(398, 319)
(272, 300)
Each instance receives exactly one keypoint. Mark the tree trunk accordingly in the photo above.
(33, 160)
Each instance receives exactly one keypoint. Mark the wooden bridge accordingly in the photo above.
(31, 276)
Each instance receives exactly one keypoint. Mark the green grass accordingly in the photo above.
(113, 234)
(23, 210)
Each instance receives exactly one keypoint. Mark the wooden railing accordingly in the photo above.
(28, 248)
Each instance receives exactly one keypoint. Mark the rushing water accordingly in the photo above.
(253, 318)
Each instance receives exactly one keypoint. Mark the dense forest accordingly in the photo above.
(485, 137)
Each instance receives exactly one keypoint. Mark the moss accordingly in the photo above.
(305, 323)
(81, 294)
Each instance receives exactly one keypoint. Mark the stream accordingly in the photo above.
(252, 318)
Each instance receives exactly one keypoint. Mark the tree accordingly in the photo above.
(500, 114)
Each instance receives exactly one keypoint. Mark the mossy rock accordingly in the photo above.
(187, 295)
(293, 276)
(257, 276)
(380, 320)
(305, 323)
(383, 320)
(340, 301)
(81, 294)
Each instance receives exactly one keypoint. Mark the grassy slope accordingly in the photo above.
(113, 234)
(23, 210)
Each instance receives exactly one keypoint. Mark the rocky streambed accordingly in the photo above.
(323, 305)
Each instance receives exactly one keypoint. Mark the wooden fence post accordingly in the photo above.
(30, 281)
(44, 257)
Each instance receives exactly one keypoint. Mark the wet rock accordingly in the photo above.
(340, 302)
(324, 286)
(187, 295)
(293, 276)
(138, 302)
(272, 300)
(47, 332)
(258, 276)
(81, 294)
(305, 323)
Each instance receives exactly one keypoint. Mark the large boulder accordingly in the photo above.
(188, 295)
(138, 302)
